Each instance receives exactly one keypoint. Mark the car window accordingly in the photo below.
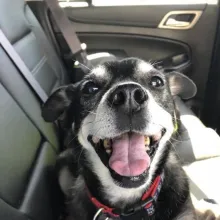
(78, 3)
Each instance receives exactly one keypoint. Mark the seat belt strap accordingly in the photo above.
(65, 26)
(19, 63)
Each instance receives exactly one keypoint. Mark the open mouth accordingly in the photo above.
(129, 155)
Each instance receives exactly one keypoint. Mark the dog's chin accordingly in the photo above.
(128, 156)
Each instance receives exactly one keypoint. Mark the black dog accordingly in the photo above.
(120, 162)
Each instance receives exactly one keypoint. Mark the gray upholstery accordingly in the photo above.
(194, 143)
(199, 150)
(12, 141)
(23, 31)
(28, 145)
(27, 156)
(204, 179)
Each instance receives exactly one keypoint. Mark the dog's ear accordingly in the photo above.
(58, 102)
(181, 85)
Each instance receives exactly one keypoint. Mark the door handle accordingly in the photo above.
(172, 22)
(181, 20)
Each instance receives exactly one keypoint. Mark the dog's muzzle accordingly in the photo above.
(129, 150)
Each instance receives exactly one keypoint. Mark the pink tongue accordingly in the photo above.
(129, 157)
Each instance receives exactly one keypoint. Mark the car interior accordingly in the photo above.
(173, 36)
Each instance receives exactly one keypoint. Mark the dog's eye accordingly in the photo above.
(90, 88)
(156, 81)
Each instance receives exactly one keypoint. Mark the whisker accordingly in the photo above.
(180, 141)
(174, 149)
(71, 140)
(153, 63)
(80, 155)
(93, 112)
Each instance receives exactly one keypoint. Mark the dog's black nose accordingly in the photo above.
(128, 97)
(139, 96)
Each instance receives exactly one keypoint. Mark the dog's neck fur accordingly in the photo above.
(167, 199)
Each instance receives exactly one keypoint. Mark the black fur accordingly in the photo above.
(174, 197)
(72, 104)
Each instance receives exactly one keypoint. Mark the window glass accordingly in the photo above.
(149, 2)
(84, 3)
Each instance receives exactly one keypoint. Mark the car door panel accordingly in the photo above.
(144, 16)
(156, 50)
(133, 31)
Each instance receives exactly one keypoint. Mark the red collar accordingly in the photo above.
(147, 201)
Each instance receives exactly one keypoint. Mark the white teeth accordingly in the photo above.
(146, 141)
(108, 151)
(147, 148)
(106, 144)
(95, 140)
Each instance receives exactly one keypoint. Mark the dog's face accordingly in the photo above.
(123, 114)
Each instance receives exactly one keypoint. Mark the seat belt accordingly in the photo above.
(69, 34)
(19, 63)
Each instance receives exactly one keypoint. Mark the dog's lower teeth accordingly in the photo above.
(108, 151)
(147, 148)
